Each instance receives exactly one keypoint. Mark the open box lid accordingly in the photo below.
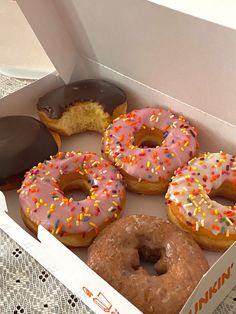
(169, 52)
(188, 58)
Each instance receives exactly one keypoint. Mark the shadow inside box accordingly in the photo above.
(13, 205)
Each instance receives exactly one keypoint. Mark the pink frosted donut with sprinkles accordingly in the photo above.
(190, 206)
(148, 145)
(75, 223)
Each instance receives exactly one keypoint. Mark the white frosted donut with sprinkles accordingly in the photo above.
(190, 206)
(75, 223)
(148, 145)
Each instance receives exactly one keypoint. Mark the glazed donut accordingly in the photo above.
(75, 223)
(88, 105)
(190, 205)
(171, 140)
(24, 141)
(179, 262)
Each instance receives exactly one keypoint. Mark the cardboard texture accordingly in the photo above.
(152, 53)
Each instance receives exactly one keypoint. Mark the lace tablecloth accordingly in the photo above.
(9, 85)
(27, 287)
(228, 305)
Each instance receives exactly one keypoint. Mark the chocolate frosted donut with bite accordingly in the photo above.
(24, 141)
(179, 263)
(87, 105)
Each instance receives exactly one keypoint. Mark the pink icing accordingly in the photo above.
(150, 164)
(191, 185)
(44, 203)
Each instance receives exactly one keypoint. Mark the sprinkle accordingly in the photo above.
(188, 205)
(192, 133)
(229, 221)
(56, 223)
(165, 134)
(197, 226)
(92, 224)
(152, 118)
(59, 228)
(37, 205)
(215, 227)
(222, 229)
(69, 219)
(86, 218)
(201, 201)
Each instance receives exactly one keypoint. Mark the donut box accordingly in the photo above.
(166, 57)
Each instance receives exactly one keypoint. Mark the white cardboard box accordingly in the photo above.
(158, 56)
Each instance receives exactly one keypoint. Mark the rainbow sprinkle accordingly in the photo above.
(192, 186)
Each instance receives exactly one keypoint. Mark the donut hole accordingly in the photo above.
(150, 259)
(148, 138)
(77, 194)
(225, 194)
(74, 185)
(223, 200)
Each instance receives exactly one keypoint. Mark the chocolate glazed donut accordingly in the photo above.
(179, 262)
(87, 105)
(24, 141)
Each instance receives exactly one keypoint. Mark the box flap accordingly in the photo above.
(186, 57)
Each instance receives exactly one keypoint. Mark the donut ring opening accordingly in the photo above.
(74, 181)
(148, 137)
(151, 260)
(227, 190)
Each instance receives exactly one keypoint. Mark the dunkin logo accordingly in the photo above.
(206, 297)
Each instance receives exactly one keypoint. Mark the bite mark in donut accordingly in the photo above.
(172, 142)
(75, 223)
(87, 105)
(190, 206)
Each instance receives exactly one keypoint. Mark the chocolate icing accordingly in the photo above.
(24, 141)
(59, 100)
